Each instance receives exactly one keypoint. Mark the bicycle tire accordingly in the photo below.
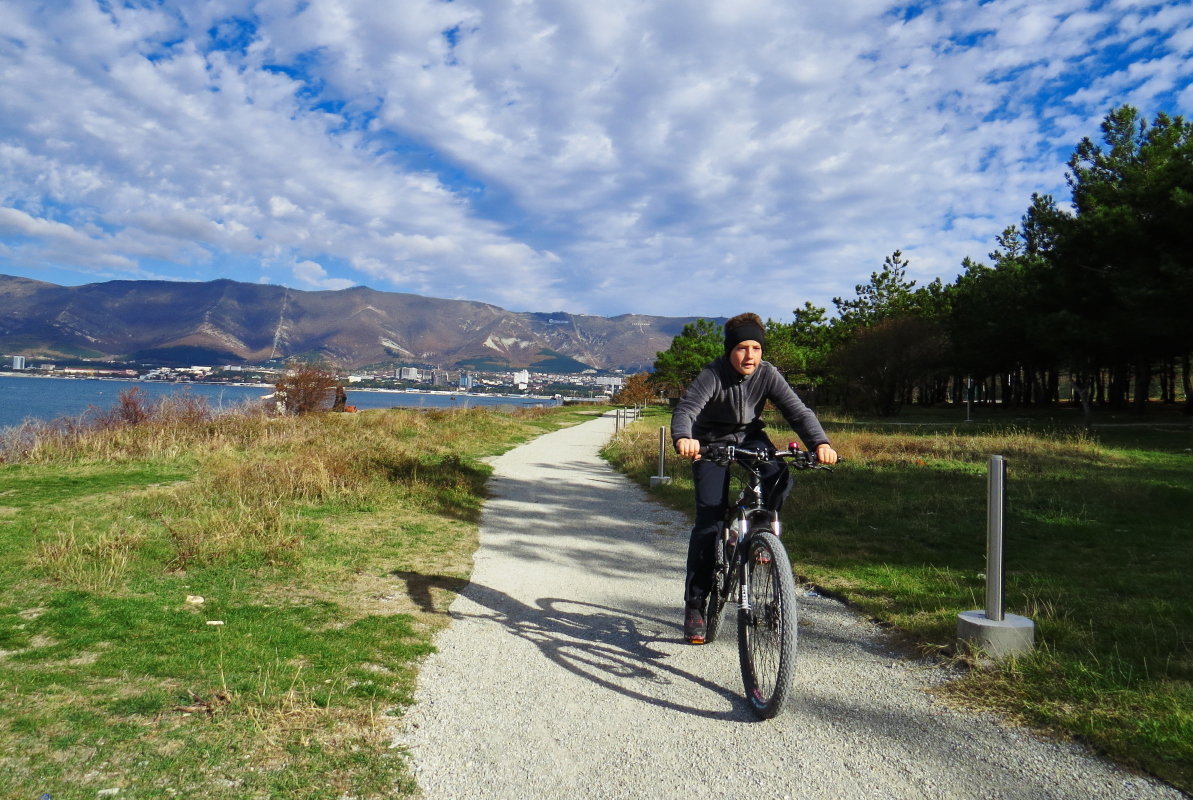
(722, 585)
(766, 634)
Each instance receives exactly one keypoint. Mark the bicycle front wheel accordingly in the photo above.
(766, 631)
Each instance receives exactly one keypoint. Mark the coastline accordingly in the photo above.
(53, 397)
(215, 384)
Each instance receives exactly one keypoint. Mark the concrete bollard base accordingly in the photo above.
(655, 480)
(993, 639)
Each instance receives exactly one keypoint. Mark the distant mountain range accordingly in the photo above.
(226, 322)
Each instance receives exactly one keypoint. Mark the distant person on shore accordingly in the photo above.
(723, 406)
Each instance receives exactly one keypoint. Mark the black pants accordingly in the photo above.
(712, 485)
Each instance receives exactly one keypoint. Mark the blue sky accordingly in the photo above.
(698, 157)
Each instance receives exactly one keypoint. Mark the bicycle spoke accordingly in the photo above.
(763, 624)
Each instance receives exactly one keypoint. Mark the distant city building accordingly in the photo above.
(409, 374)
(467, 381)
(522, 378)
(612, 382)
(94, 373)
(18, 362)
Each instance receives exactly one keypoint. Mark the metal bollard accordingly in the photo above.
(996, 505)
(661, 478)
(662, 451)
(994, 634)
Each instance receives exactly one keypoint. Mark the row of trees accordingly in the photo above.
(1094, 302)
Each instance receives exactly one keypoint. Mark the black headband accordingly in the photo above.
(744, 332)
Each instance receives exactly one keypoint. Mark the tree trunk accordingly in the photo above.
(1168, 381)
(1119, 385)
(1081, 389)
(1187, 382)
(1143, 385)
(1039, 395)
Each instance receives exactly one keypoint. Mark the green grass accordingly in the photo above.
(231, 607)
(1098, 553)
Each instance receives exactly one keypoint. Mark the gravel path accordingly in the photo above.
(563, 675)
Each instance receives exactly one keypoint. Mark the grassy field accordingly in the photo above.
(229, 607)
(235, 607)
(1099, 553)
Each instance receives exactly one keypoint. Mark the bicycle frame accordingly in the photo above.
(747, 511)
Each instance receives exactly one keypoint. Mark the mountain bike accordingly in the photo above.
(753, 570)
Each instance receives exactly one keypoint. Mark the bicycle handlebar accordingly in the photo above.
(793, 456)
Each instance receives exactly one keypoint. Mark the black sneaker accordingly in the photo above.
(693, 626)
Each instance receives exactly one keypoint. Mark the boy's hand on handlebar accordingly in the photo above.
(825, 454)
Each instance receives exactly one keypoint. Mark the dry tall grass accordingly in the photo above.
(136, 428)
(1028, 449)
(88, 557)
(637, 446)
(256, 478)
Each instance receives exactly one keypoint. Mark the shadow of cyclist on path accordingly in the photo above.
(419, 589)
(613, 648)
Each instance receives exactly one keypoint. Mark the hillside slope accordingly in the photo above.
(228, 321)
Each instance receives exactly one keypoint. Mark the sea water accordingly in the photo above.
(30, 397)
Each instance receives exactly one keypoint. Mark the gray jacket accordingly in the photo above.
(722, 406)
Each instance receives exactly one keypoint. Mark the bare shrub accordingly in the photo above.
(636, 391)
(185, 409)
(133, 407)
(306, 387)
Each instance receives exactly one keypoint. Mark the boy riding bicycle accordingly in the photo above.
(723, 406)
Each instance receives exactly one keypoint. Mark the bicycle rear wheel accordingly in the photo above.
(722, 586)
(766, 633)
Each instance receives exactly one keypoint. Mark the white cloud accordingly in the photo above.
(314, 276)
(701, 156)
(21, 224)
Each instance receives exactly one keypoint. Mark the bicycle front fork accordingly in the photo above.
(742, 561)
